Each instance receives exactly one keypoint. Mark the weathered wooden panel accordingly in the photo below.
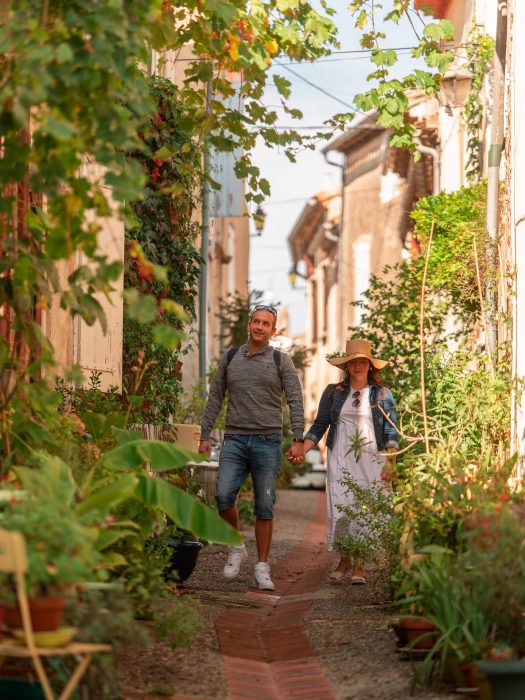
(74, 341)
(94, 350)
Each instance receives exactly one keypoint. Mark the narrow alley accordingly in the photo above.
(310, 640)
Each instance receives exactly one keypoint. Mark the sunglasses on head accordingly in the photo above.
(263, 307)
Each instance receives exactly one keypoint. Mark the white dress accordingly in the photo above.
(355, 453)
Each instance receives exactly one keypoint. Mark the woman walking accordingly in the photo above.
(360, 416)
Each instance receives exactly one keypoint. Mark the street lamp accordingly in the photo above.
(293, 274)
(259, 218)
(456, 87)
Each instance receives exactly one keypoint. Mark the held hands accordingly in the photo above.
(296, 453)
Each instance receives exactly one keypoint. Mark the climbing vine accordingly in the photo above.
(161, 257)
(480, 49)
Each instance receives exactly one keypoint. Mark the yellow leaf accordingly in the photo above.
(271, 46)
(234, 42)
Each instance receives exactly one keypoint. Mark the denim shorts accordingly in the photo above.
(258, 455)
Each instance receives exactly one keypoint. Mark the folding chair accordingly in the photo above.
(13, 561)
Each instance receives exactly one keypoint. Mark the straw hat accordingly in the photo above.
(357, 348)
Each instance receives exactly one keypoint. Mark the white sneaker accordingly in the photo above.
(236, 556)
(261, 577)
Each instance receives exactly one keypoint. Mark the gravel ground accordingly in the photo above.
(347, 627)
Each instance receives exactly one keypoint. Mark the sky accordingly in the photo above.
(343, 76)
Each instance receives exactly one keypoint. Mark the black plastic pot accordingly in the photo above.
(183, 558)
(20, 689)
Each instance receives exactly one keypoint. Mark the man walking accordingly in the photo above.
(254, 377)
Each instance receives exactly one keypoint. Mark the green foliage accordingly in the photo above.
(190, 406)
(391, 306)
(54, 59)
(437, 589)
(102, 613)
(243, 38)
(59, 548)
(495, 552)
(389, 96)
(161, 258)
(87, 398)
(440, 493)
(480, 50)
(371, 529)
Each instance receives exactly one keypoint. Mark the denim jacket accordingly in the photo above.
(330, 407)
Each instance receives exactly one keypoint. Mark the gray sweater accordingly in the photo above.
(254, 394)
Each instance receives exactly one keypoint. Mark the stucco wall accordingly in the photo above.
(371, 235)
(517, 140)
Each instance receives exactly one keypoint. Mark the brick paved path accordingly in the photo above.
(266, 653)
(305, 640)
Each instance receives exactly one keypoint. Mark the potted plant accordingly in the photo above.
(182, 552)
(495, 553)
(60, 552)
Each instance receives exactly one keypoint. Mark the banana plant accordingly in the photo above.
(126, 477)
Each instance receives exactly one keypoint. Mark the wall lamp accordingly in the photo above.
(259, 218)
(293, 274)
(455, 86)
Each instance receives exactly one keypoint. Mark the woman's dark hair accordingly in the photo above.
(374, 375)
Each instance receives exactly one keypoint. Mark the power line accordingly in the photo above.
(332, 53)
(292, 127)
(332, 60)
(313, 127)
(322, 59)
(320, 89)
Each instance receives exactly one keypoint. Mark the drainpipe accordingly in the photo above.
(340, 250)
(203, 275)
(494, 160)
(436, 163)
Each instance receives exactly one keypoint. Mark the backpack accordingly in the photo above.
(276, 358)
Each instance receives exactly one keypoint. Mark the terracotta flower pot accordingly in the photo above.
(400, 632)
(2, 618)
(474, 678)
(46, 613)
(420, 632)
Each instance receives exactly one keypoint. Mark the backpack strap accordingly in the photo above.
(276, 358)
(231, 354)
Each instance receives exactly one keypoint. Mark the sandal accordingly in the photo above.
(358, 580)
(337, 576)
